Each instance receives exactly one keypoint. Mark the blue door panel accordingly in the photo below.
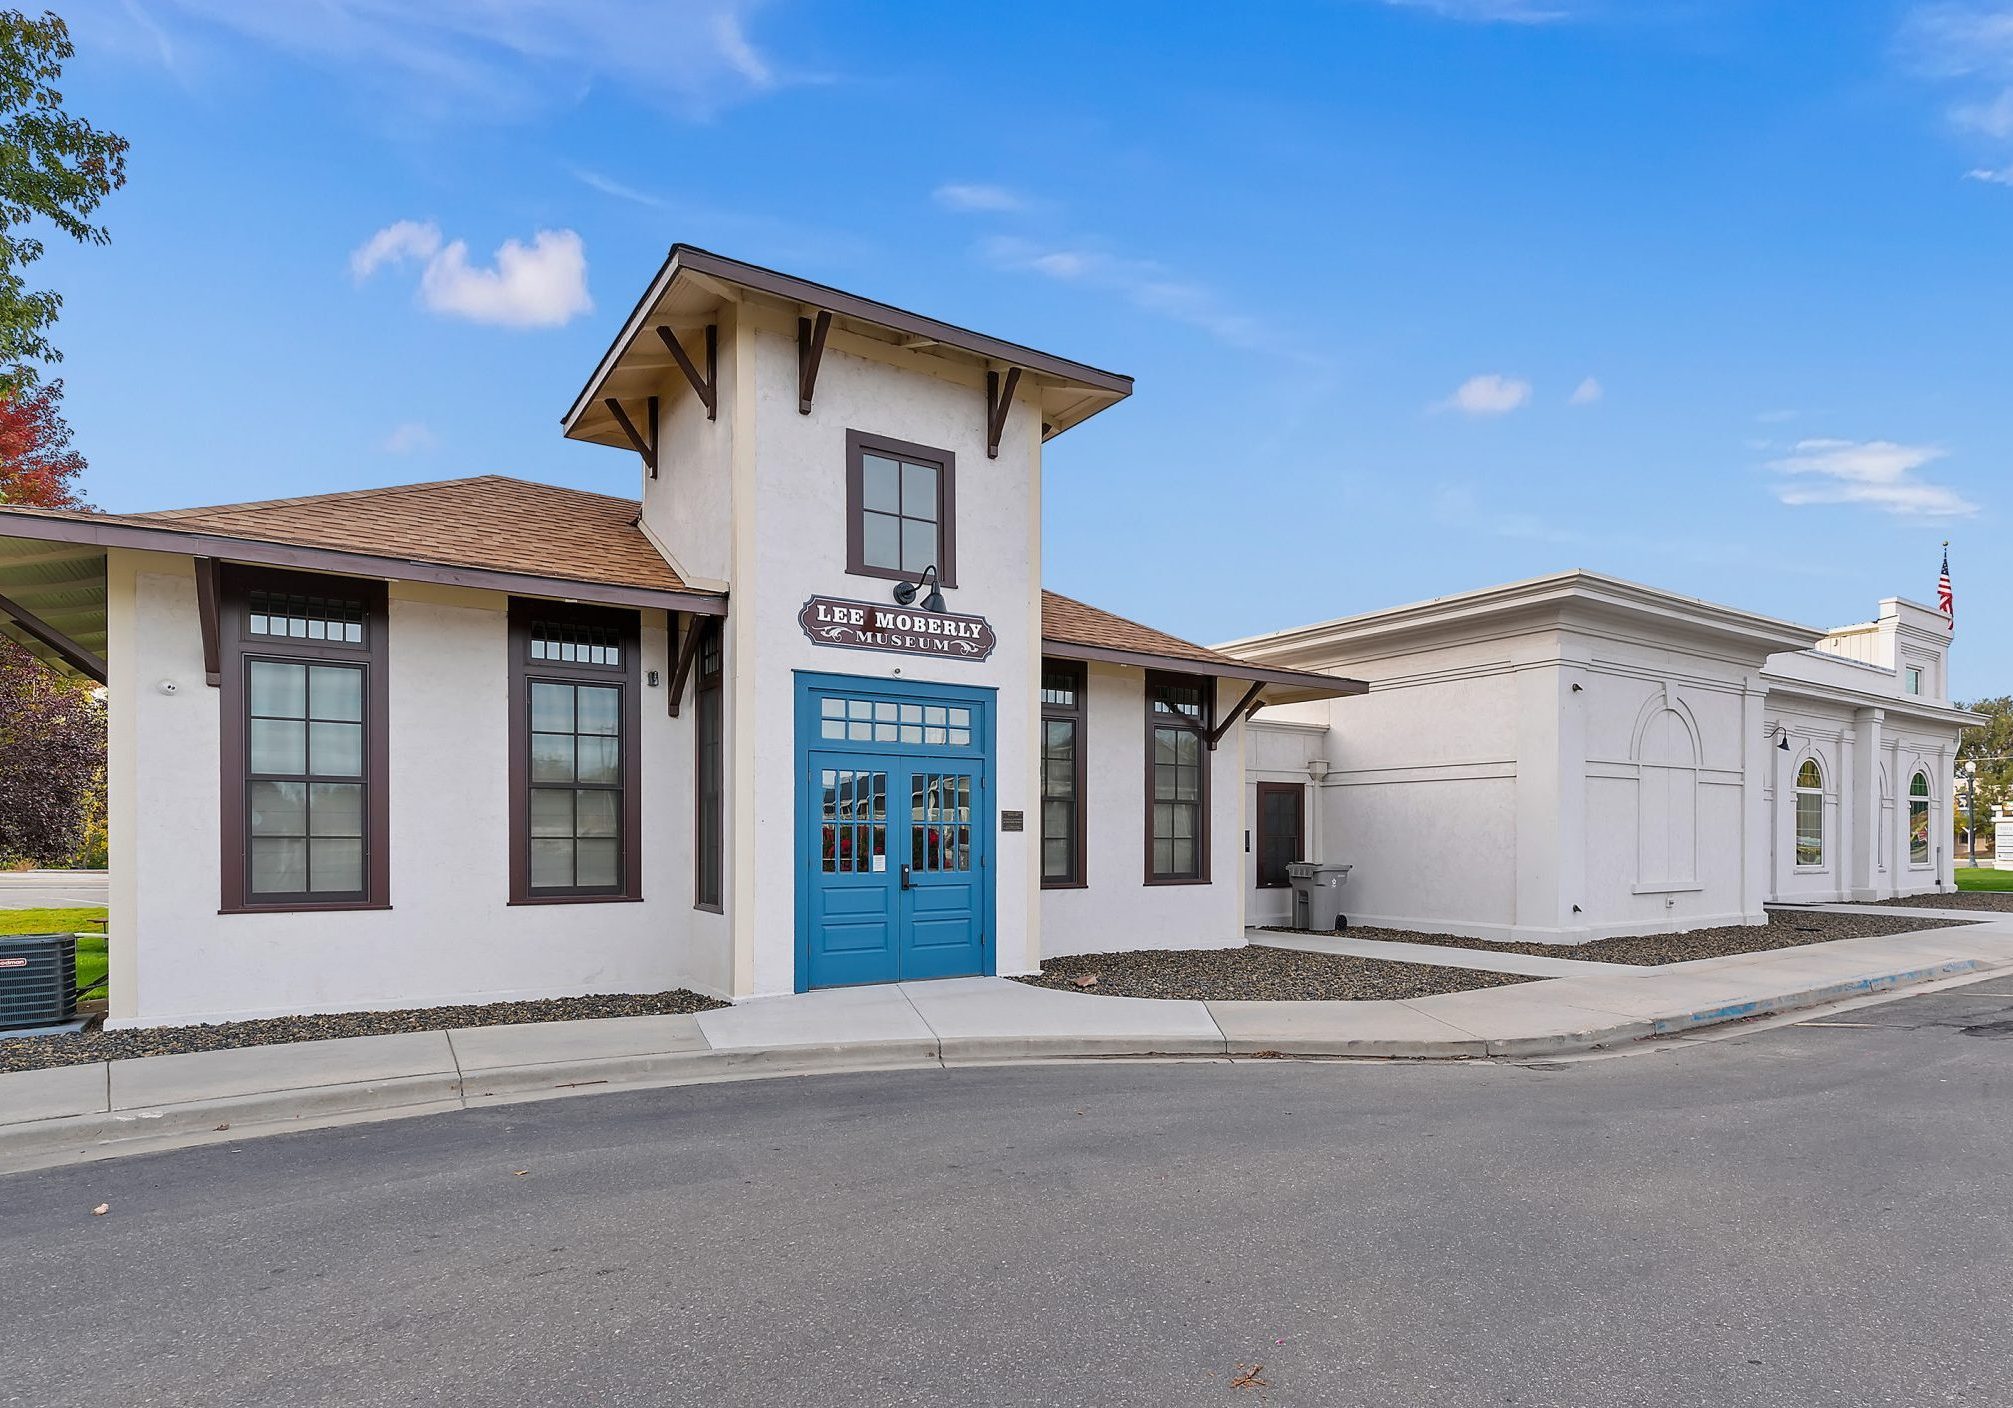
(894, 836)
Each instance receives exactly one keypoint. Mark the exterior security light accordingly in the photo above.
(905, 592)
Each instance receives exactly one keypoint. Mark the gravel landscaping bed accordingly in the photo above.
(1257, 974)
(1786, 928)
(31, 1053)
(2000, 901)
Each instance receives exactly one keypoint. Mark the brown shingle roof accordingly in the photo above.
(490, 521)
(1072, 622)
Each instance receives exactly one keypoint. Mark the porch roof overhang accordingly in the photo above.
(694, 284)
(40, 539)
(1275, 686)
(52, 602)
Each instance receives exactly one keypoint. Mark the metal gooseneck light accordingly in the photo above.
(905, 592)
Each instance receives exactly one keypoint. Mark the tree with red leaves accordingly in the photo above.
(37, 465)
(52, 760)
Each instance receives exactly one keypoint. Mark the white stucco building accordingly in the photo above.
(801, 714)
(1577, 757)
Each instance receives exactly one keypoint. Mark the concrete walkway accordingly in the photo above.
(90, 1111)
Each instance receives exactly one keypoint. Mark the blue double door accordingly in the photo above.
(894, 836)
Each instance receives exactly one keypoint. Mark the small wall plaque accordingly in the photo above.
(1010, 821)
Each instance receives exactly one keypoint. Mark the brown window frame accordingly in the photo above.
(709, 700)
(238, 647)
(627, 625)
(1299, 794)
(1077, 715)
(859, 443)
(1206, 685)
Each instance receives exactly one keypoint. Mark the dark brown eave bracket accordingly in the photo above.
(810, 354)
(646, 448)
(83, 661)
(1245, 707)
(999, 400)
(688, 650)
(206, 612)
(707, 386)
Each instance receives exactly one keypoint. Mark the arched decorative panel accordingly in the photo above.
(1667, 763)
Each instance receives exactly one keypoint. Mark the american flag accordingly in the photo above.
(1945, 601)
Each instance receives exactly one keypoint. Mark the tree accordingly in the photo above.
(52, 760)
(53, 167)
(37, 465)
(1990, 745)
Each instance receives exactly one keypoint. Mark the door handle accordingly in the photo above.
(905, 878)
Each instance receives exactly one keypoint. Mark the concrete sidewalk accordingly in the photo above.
(106, 1108)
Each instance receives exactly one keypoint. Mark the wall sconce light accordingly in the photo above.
(905, 592)
(1784, 742)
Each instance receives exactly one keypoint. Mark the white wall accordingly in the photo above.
(1116, 910)
(450, 935)
(791, 544)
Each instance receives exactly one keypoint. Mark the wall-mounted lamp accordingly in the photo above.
(1578, 688)
(1784, 743)
(905, 592)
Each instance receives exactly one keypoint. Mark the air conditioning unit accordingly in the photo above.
(38, 980)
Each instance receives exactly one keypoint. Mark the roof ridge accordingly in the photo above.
(290, 501)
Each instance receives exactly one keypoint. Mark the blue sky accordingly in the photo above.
(1420, 294)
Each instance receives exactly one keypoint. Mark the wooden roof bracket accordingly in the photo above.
(74, 655)
(999, 400)
(707, 386)
(688, 649)
(810, 353)
(1244, 707)
(646, 448)
(206, 614)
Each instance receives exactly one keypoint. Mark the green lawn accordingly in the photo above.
(1982, 879)
(90, 951)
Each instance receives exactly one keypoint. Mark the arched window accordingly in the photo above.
(1918, 819)
(1810, 813)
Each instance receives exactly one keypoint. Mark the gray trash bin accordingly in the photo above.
(1317, 893)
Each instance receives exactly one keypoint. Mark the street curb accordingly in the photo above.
(89, 1137)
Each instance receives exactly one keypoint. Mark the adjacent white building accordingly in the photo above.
(1577, 757)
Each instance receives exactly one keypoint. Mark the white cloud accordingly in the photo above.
(402, 239)
(1487, 11)
(1969, 45)
(1491, 394)
(609, 186)
(484, 58)
(408, 439)
(1145, 283)
(543, 284)
(1875, 473)
(1586, 393)
(966, 196)
(2003, 176)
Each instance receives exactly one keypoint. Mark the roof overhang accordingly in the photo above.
(694, 284)
(52, 602)
(17, 527)
(1274, 685)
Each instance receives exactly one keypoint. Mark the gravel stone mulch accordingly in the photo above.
(32, 1053)
(1995, 901)
(1257, 974)
(1786, 928)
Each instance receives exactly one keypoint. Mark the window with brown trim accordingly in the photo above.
(1282, 815)
(709, 769)
(1062, 741)
(575, 771)
(901, 509)
(1180, 710)
(305, 806)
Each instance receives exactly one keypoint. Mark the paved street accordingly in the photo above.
(1818, 1214)
(52, 889)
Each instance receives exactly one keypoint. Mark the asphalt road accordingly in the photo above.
(1811, 1215)
(49, 889)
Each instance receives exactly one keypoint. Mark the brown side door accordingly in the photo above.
(1281, 830)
